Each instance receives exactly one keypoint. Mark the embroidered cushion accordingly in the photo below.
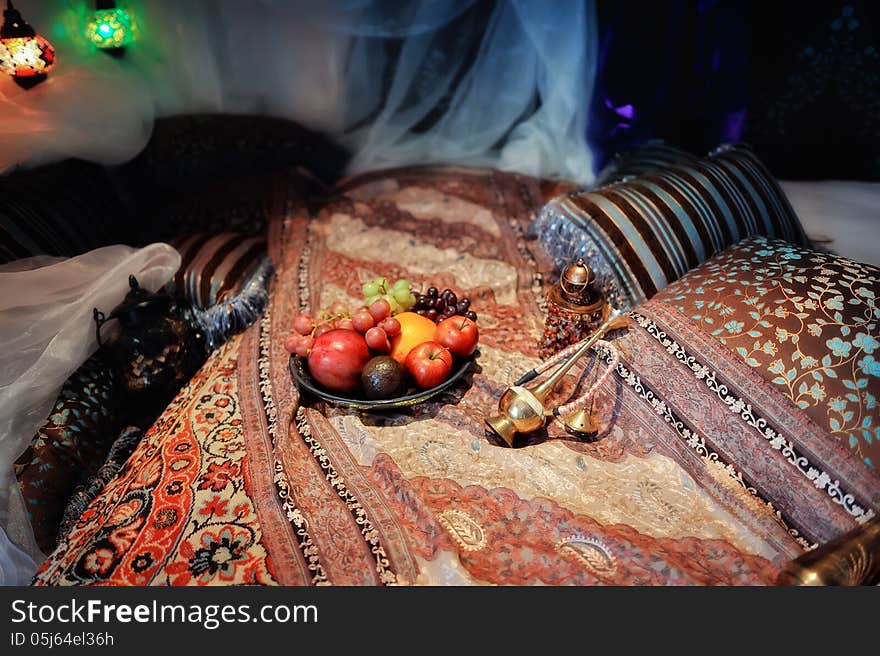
(62, 209)
(240, 205)
(807, 322)
(764, 362)
(189, 151)
(641, 234)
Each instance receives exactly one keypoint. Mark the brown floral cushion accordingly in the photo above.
(761, 363)
(806, 322)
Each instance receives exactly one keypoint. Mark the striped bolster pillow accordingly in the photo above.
(642, 234)
(215, 266)
(643, 159)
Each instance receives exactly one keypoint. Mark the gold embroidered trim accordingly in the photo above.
(282, 485)
(370, 534)
(386, 575)
(820, 479)
(698, 444)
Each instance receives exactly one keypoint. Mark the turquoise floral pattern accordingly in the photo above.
(806, 321)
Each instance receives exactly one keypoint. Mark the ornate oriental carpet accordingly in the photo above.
(242, 481)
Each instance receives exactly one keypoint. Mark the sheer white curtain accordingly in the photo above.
(47, 331)
(504, 84)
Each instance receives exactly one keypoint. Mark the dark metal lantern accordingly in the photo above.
(157, 347)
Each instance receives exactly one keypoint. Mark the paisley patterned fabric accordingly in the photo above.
(178, 511)
(808, 323)
(642, 234)
(70, 446)
(243, 480)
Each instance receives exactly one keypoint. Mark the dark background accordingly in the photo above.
(799, 81)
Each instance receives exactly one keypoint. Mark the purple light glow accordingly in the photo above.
(625, 111)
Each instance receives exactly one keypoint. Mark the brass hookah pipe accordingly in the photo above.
(521, 410)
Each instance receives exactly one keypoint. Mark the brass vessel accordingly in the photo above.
(521, 410)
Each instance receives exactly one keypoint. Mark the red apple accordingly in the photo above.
(337, 359)
(458, 334)
(429, 364)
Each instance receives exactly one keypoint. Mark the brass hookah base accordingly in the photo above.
(521, 410)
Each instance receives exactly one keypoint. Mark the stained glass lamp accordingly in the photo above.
(110, 28)
(24, 54)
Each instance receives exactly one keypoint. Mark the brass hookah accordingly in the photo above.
(522, 410)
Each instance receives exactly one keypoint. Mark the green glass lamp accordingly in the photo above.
(110, 28)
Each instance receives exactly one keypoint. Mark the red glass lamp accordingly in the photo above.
(24, 54)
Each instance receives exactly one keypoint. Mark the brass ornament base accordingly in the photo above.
(574, 309)
(851, 559)
(568, 323)
(582, 423)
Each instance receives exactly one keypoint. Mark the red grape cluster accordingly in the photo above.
(375, 323)
(438, 306)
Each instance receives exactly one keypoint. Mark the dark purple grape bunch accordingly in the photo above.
(438, 306)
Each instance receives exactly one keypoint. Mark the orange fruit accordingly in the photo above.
(414, 329)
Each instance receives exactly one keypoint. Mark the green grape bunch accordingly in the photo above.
(399, 295)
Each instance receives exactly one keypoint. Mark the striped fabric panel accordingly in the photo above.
(65, 209)
(642, 234)
(40, 229)
(214, 267)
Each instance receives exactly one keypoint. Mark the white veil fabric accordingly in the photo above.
(505, 84)
(47, 332)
